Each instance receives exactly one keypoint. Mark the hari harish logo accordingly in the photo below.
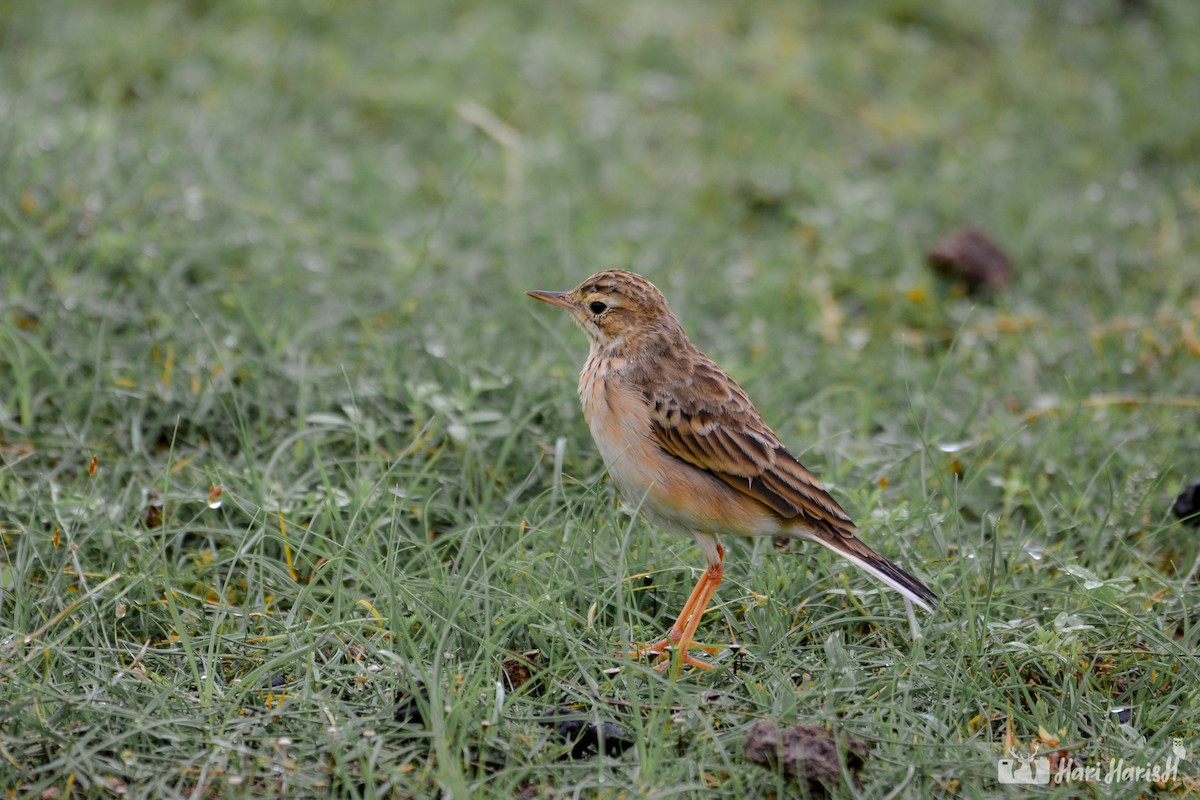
(1035, 770)
(1117, 770)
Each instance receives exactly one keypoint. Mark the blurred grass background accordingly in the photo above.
(278, 426)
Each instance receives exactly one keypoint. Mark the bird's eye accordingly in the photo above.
(597, 307)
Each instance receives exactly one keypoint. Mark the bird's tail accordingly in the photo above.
(851, 548)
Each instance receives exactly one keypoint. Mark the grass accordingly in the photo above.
(279, 252)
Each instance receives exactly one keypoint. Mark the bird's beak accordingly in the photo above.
(560, 299)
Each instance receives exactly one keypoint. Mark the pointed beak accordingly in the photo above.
(560, 299)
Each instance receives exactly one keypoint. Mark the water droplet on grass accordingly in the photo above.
(858, 338)
(314, 263)
(193, 203)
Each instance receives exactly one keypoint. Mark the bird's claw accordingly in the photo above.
(664, 651)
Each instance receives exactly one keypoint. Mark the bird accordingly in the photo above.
(682, 442)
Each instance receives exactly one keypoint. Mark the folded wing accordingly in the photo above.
(732, 443)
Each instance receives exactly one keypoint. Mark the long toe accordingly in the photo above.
(685, 660)
(663, 651)
(652, 649)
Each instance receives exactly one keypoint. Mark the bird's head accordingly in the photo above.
(614, 306)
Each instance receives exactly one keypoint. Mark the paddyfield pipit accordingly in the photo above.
(682, 442)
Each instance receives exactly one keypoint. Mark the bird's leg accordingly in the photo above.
(676, 633)
(681, 633)
(711, 580)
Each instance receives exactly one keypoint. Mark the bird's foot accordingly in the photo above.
(663, 651)
(685, 660)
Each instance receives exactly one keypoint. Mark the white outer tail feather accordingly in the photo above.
(887, 580)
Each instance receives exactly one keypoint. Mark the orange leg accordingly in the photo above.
(676, 633)
(710, 582)
(681, 633)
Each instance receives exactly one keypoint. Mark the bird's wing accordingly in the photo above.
(710, 423)
(704, 418)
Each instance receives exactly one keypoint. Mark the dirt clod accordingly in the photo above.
(1187, 505)
(807, 753)
(588, 737)
(972, 259)
(518, 670)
